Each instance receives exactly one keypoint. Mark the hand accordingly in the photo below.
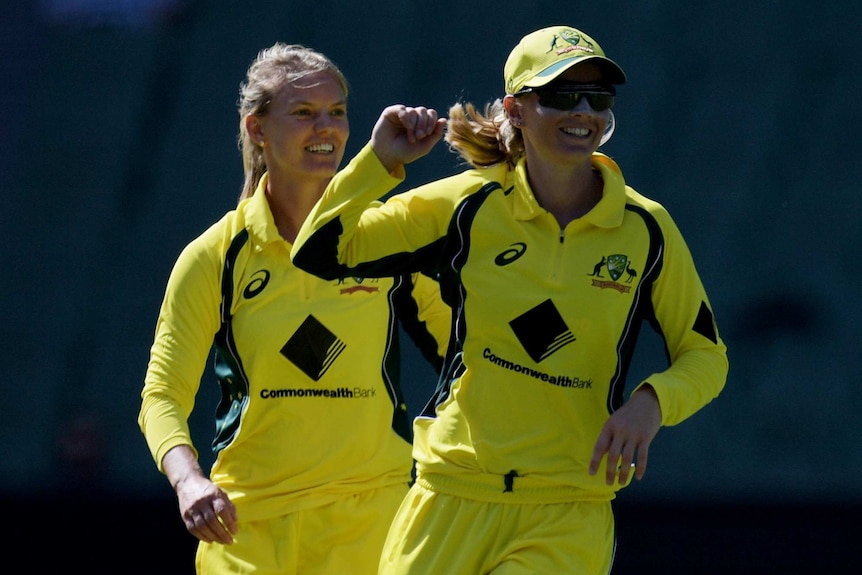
(206, 510)
(626, 433)
(403, 134)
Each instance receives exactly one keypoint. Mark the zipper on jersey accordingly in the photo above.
(558, 255)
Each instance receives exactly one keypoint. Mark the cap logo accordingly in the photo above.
(573, 39)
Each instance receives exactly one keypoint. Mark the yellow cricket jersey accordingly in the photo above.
(544, 320)
(311, 407)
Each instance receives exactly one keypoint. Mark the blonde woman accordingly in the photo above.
(312, 439)
(551, 263)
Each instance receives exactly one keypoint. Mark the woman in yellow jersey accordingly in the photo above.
(550, 263)
(312, 438)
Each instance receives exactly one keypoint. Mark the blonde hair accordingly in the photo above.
(483, 138)
(273, 67)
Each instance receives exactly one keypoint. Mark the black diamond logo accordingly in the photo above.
(313, 348)
(542, 330)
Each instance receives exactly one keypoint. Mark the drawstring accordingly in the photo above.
(509, 481)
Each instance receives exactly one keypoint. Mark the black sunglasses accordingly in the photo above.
(566, 96)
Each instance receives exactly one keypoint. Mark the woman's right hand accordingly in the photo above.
(403, 134)
(205, 508)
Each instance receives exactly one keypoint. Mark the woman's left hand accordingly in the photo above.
(627, 434)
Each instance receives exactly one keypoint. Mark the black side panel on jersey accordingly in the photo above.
(641, 310)
(408, 314)
(319, 256)
(705, 323)
(399, 298)
(455, 253)
(228, 365)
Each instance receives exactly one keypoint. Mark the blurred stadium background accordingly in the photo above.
(118, 146)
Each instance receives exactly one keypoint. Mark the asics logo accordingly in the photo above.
(514, 252)
(259, 280)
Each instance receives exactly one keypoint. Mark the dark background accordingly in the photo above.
(118, 146)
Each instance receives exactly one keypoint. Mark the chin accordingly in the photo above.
(326, 169)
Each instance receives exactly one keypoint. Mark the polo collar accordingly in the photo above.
(607, 213)
(258, 216)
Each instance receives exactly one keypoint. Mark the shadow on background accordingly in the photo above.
(146, 537)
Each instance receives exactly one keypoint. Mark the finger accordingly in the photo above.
(197, 526)
(393, 118)
(212, 529)
(426, 123)
(189, 522)
(625, 466)
(599, 451)
(409, 119)
(614, 454)
(437, 132)
(213, 526)
(227, 513)
(643, 452)
(418, 121)
(220, 532)
(206, 524)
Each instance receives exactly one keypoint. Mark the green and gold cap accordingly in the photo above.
(544, 54)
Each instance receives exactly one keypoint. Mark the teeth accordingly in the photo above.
(326, 148)
(577, 131)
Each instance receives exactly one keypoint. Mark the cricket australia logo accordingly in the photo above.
(573, 43)
(616, 266)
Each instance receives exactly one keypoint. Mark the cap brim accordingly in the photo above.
(614, 74)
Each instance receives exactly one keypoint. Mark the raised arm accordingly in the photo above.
(401, 135)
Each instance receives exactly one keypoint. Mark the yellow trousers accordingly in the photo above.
(345, 537)
(435, 533)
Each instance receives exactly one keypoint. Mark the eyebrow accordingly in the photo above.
(342, 102)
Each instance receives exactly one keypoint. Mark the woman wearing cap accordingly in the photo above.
(312, 437)
(550, 263)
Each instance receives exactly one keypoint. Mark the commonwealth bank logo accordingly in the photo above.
(542, 331)
(313, 348)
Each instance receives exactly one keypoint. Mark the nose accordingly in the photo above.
(326, 122)
(582, 107)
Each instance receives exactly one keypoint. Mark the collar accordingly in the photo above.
(258, 216)
(608, 213)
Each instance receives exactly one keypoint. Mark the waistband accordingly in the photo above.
(509, 488)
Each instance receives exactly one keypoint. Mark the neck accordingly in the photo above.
(290, 202)
(567, 194)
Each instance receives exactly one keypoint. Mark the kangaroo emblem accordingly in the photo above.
(597, 269)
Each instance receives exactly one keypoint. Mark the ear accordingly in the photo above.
(513, 110)
(254, 128)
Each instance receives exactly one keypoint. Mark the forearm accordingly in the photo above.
(181, 463)
(695, 379)
(319, 245)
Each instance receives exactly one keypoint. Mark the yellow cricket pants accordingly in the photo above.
(435, 533)
(344, 537)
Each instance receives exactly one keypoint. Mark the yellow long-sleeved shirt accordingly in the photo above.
(545, 319)
(311, 404)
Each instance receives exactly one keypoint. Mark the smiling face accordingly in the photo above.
(305, 128)
(561, 136)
